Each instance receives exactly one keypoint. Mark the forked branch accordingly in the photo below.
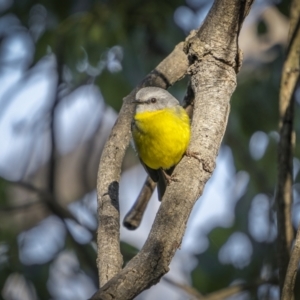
(214, 60)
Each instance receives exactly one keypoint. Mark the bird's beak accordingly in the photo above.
(138, 102)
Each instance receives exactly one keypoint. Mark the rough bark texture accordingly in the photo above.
(109, 260)
(214, 60)
(290, 278)
(284, 195)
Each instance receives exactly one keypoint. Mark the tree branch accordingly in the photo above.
(48, 199)
(284, 195)
(223, 293)
(109, 259)
(18, 208)
(61, 212)
(289, 283)
(214, 54)
(52, 129)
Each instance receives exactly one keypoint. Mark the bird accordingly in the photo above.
(161, 134)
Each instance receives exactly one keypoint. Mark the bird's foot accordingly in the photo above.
(193, 154)
(206, 165)
(169, 178)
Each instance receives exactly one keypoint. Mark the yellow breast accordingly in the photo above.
(161, 137)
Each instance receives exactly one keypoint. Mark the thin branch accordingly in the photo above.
(63, 214)
(235, 289)
(52, 159)
(85, 165)
(186, 288)
(18, 208)
(215, 60)
(289, 283)
(284, 195)
(223, 293)
(84, 253)
(49, 200)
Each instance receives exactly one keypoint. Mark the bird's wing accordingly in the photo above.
(151, 172)
(159, 177)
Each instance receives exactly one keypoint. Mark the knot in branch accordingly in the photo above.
(196, 49)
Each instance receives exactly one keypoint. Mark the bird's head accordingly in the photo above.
(153, 98)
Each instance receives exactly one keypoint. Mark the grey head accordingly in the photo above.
(153, 98)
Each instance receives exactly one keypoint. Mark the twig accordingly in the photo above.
(17, 208)
(49, 196)
(52, 159)
(284, 195)
(84, 253)
(289, 283)
(85, 166)
(223, 293)
(48, 199)
(186, 288)
(235, 289)
(63, 214)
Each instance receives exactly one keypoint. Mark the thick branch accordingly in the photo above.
(109, 259)
(213, 88)
(284, 195)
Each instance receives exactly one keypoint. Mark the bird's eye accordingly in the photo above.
(153, 100)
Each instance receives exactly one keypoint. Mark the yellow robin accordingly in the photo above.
(161, 133)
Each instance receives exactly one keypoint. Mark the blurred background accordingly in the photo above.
(64, 68)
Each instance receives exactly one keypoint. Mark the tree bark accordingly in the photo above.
(109, 259)
(284, 195)
(214, 59)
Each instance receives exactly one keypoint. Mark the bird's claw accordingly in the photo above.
(193, 154)
(170, 178)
